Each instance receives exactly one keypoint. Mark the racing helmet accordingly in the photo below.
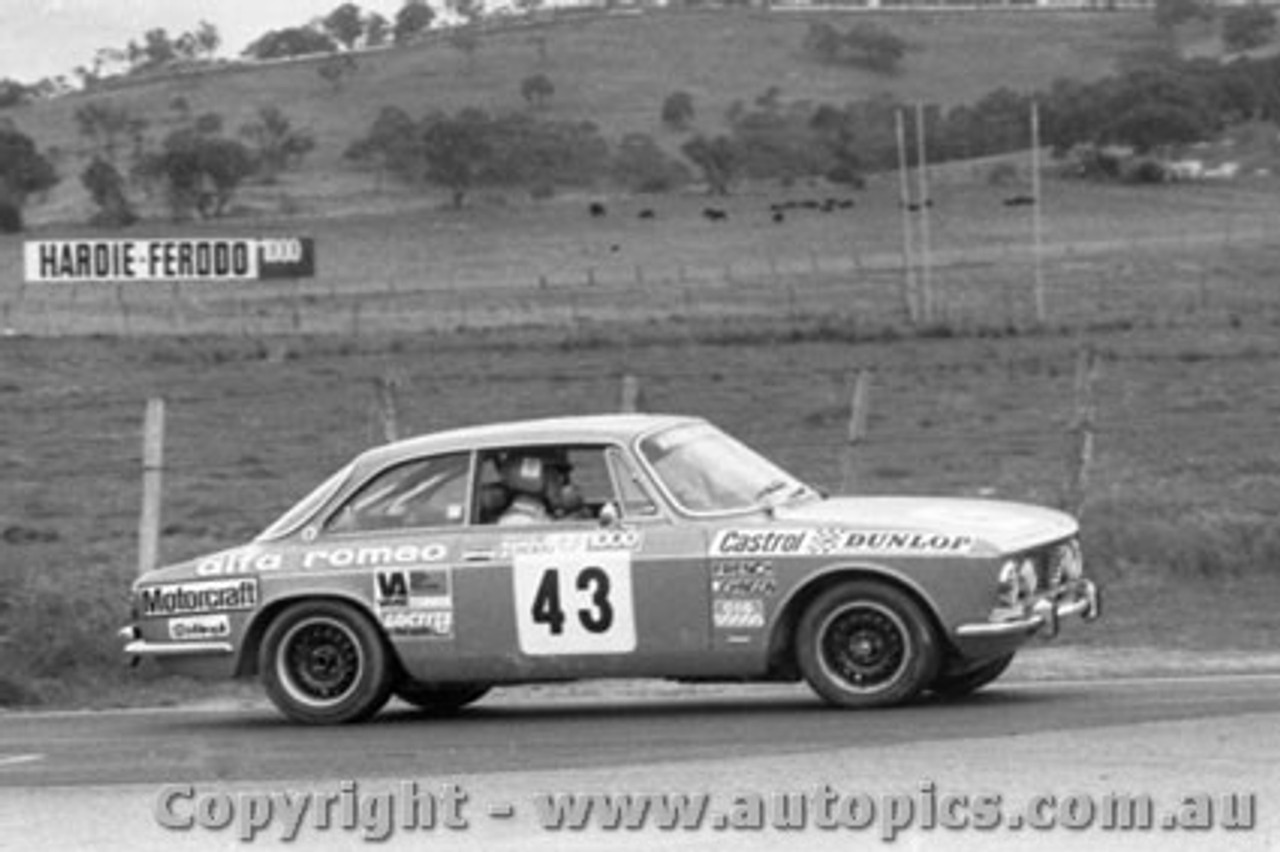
(525, 473)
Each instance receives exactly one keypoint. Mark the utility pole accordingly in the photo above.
(910, 292)
(922, 173)
(1036, 227)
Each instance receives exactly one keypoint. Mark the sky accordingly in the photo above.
(45, 38)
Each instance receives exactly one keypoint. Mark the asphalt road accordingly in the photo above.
(510, 732)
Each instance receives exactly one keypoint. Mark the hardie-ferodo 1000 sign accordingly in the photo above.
(176, 259)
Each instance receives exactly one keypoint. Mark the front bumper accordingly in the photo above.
(136, 646)
(1083, 599)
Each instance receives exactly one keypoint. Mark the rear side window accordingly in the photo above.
(423, 493)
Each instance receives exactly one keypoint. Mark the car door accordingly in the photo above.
(588, 595)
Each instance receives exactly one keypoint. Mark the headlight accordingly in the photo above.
(1017, 581)
(1065, 564)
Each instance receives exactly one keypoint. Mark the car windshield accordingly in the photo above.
(707, 471)
(306, 507)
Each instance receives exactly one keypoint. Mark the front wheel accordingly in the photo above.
(441, 698)
(866, 644)
(324, 663)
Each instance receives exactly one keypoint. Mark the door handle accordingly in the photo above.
(478, 556)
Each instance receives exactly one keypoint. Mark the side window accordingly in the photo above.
(428, 492)
(543, 484)
(634, 496)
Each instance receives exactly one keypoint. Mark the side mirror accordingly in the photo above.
(609, 515)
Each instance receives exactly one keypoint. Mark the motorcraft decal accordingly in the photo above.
(199, 597)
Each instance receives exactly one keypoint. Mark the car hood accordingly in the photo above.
(1003, 526)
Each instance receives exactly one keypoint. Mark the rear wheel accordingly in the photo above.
(957, 685)
(441, 697)
(866, 644)
(324, 663)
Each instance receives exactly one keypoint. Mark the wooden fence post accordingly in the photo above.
(388, 413)
(152, 470)
(1082, 431)
(631, 398)
(858, 413)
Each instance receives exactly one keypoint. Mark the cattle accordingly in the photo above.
(646, 214)
(1019, 201)
(715, 214)
(597, 209)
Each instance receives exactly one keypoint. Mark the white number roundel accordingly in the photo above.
(574, 603)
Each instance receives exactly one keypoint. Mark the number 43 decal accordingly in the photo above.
(574, 603)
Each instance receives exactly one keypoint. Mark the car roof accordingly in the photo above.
(594, 428)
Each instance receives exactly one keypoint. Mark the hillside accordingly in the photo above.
(613, 70)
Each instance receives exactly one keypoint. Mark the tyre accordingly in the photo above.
(324, 663)
(957, 685)
(866, 644)
(440, 698)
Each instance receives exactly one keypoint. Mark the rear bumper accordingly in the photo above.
(1082, 599)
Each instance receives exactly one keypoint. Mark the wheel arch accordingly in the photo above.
(251, 644)
(782, 640)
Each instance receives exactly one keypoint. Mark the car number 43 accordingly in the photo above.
(575, 603)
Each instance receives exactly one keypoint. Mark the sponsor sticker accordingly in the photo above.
(759, 542)
(888, 543)
(837, 541)
(429, 623)
(370, 556)
(194, 628)
(743, 578)
(595, 541)
(247, 560)
(198, 597)
(738, 613)
(175, 259)
(427, 587)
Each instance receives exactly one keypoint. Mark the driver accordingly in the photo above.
(540, 487)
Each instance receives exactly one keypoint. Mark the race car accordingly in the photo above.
(613, 546)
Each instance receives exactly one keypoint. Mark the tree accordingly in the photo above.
(201, 173)
(23, 171)
(393, 143)
(717, 158)
(333, 69)
(344, 24)
(106, 125)
(537, 89)
(470, 11)
(292, 41)
(376, 30)
(641, 165)
(455, 149)
(1150, 126)
(106, 188)
(414, 17)
(1171, 13)
(208, 40)
(158, 49)
(1247, 27)
(277, 144)
(677, 110)
(13, 93)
